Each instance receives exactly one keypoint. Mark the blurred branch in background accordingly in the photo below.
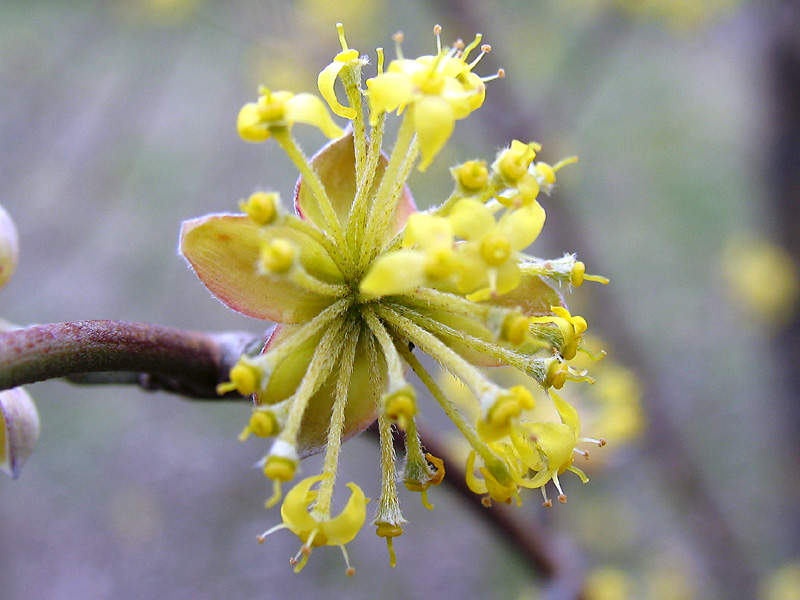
(510, 118)
(783, 173)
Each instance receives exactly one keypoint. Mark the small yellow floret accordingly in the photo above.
(280, 110)
(262, 424)
(401, 406)
(277, 256)
(495, 249)
(513, 162)
(515, 329)
(261, 207)
(506, 408)
(245, 379)
(471, 176)
(280, 468)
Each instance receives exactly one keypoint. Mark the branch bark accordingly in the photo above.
(186, 362)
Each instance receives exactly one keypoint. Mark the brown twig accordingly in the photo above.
(154, 357)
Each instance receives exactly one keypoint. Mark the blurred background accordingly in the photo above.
(117, 123)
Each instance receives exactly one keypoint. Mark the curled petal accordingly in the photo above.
(294, 510)
(332, 532)
(223, 251)
(325, 83)
(309, 109)
(569, 416)
(344, 527)
(387, 92)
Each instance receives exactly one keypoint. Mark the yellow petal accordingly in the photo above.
(249, 124)
(309, 109)
(325, 83)
(294, 510)
(471, 219)
(523, 225)
(569, 416)
(346, 525)
(434, 123)
(394, 273)
(387, 92)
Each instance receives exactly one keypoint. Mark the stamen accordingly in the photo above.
(600, 442)
(398, 38)
(485, 49)
(349, 571)
(437, 30)
(270, 531)
(499, 75)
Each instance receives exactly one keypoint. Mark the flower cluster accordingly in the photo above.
(358, 281)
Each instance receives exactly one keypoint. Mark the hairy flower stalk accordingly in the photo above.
(359, 282)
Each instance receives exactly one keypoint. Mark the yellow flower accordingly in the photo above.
(437, 90)
(316, 529)
(548, 449)
(359, 283)
(276, 111)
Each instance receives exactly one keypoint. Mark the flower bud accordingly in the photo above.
(19, 429)
(9, 246)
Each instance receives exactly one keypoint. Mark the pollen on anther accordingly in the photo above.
(486, 48)
(562, 498)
